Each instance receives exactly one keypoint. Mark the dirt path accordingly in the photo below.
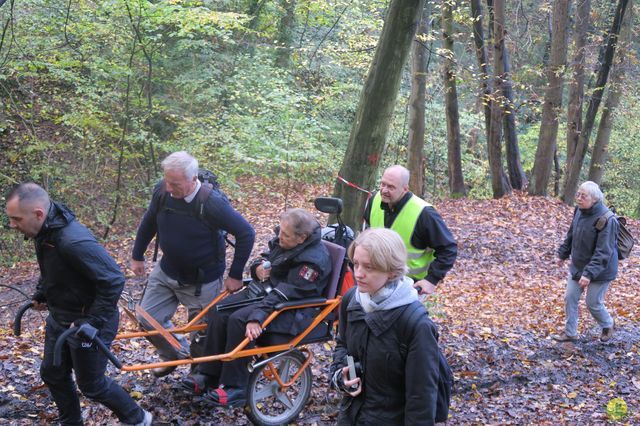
(495, 310)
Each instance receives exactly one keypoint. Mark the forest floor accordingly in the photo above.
(495, 310)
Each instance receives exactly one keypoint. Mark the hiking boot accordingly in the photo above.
(607, 333)
(197, 383)
(162, 371)
(564, 337)
(226, 397)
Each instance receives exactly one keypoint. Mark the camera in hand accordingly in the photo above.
(355, 371)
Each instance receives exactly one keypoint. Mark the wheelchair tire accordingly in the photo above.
(267, 404)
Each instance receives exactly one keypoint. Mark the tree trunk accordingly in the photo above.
(375, 109)
(576, 87)
(454, 155)
(483, 61)
(552, 101)
(514, 165)
(285, 33)
(415, 154)
(499, 183)
(600, 153)
(574, 168)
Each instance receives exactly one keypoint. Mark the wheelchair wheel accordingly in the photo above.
(267, 403)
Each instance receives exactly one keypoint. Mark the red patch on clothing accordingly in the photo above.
(308, 274)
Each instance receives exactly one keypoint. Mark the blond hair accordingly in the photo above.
(387, 252)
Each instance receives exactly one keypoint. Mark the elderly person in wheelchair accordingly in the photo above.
(296, 267)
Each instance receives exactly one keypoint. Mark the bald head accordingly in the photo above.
(394, 184)
(27, 208)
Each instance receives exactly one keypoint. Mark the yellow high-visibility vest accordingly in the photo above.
(405, 222)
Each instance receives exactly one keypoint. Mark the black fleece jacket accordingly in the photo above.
(79, 281)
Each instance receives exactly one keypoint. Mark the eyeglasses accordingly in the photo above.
(581, 195)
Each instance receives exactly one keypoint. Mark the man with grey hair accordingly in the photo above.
(189, 224)
(80, 285)
(431, 247)
(591, 242)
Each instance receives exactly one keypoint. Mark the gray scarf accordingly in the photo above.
(393, 294)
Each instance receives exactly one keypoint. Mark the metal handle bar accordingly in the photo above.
(17, 323)
(57, 350)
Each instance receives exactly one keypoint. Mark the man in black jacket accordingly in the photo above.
(299, 268)
(431, 246)
(79, 283)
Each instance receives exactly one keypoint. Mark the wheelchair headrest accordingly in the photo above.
(337, 259)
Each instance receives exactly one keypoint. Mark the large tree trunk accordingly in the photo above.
(454, 156)
(415, 153)
(552, 101)
(375, 110)
(575, 166)
(499, 182)
(600, 147)
(481, 55)
(576, 87)
(285, 33)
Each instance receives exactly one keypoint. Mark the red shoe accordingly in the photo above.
(226, 397)
(196, 383)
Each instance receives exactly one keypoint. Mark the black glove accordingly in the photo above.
(39, 297)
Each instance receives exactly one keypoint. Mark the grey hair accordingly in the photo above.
(593, 190)
(404, 173)
(302, 221)
(182, 161)
(29, 193)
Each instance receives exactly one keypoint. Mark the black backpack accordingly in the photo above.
(407, 320)
(624, 238)
(210, 184)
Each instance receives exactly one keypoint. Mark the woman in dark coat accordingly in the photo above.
(397, 382)
(594, 261)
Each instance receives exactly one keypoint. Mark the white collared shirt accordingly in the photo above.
(189, 198)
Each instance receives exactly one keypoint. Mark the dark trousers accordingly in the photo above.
(89, 365)
(225, 330)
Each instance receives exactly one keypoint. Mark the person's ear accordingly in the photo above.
(40, 213)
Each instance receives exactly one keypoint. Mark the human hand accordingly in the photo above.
(584, 281)
(262, 273)
(137, 266)
(354, 384)
(232, 284)
(424, 287)
(38, 306)
(253, 330)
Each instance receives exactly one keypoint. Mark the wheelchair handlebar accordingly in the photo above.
(17, 323)
(57, 350)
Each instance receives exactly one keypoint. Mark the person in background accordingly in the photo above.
(80, 285)
(594, 261)
(431, 247)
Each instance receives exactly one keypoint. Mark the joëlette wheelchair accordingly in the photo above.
(281, 379)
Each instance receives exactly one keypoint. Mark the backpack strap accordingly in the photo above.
(407, 323)
(602, 220)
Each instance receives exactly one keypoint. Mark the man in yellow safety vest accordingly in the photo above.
(431, 247)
